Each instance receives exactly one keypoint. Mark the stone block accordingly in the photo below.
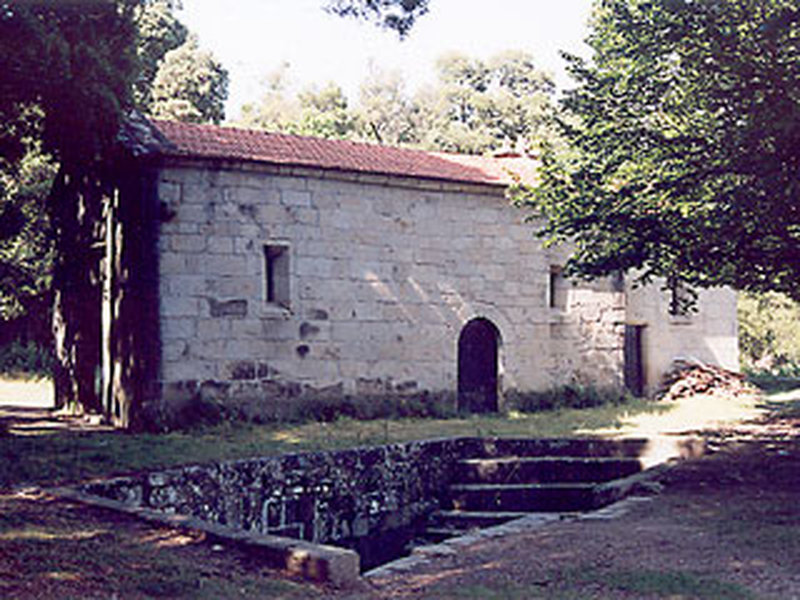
(180, 306)
(236, 309)
(296, 198)
(220, 245)
(178, 328)
(213, 329)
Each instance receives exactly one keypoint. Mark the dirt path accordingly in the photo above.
(724, 526)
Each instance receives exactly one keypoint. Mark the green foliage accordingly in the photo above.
(190, 86)
(204, 411)
(477, 106)
(682, 132)
(769, 331)
(386, 114)
(399, 15)
(368, 408)
(566, 396)
(324, 113)
(313, 111)
(25, 241)
(159, 32)
(26, 358)
(76, 62)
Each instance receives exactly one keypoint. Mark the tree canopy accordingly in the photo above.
(474, 106)
(190, 85)
(159, 31)
(477, 106)
(683, 134)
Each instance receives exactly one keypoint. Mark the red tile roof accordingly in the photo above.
(214, 142)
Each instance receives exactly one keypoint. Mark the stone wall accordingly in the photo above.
(382, 276)
(338, 497)
(709, 334)
(278, 285)
(325, 497)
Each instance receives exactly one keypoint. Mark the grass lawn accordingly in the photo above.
(63, 456)
(59, 549)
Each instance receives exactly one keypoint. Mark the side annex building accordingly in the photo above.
(260, 270)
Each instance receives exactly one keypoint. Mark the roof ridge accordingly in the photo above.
(260, 131)
(216, 142)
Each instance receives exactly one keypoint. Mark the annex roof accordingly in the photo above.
(229, 143)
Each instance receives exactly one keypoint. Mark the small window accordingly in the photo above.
(276, 274)
(557, 288)
(682, 301)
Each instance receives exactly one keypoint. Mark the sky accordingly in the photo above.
(253, 38)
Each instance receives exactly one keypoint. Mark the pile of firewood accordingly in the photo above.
(687, 378)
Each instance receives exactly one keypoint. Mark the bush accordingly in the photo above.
(777, 379)
(769, 332)
(372, 407)
(566, 396)
(26, 359)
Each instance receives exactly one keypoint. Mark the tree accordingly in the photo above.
(479, 106)
(325, 113)
(159, 32)
(320, 112)
(66, 71)
(769, 331)
(25, 237)
(386, 114)
(275, 111)
(683, 138)
(190, 86)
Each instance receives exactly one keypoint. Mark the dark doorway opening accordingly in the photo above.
(478, 347)
(634, 359)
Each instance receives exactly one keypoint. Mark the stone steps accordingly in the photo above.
(508, 479)
(465, 520)
(523, 497)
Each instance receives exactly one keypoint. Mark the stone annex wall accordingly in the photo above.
(381, 275)
(709, 335)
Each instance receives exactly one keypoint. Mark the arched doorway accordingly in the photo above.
(478, 353)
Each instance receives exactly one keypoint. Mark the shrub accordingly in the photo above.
(778, 379)
(371, 407)
(769, 332)
(566, 396)
(28, 359)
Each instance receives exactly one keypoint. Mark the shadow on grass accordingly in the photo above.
(591, 582)
(63, 551)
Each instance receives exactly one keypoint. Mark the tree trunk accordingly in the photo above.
(74, 208)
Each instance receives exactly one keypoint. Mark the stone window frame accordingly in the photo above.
(557, 288)
(276, 276)
(676, 293)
